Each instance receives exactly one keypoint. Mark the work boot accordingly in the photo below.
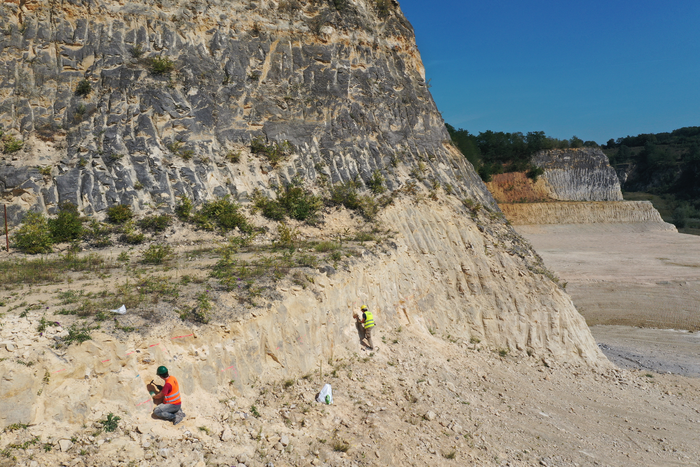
(179, 416)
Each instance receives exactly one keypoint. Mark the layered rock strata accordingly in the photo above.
(582, 174)
(336, 92)
(169, 90)
(582, 213)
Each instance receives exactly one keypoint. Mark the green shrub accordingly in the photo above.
(184, 207)
(132, 236)
(119, 214)
(161, 65)
(97, 234)
(274, 152)
(33, 236)
(156, 254)
(11, 144)
(155, 223)
(345, 194)
(534, 173)
(222, 213)
(77, 334)
(83, 89)
(292, 201)
(110, 423)
(376, 183)
(368, 207)
(68, 225)
(233, 157)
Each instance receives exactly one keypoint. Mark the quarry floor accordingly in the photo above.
(637, 286)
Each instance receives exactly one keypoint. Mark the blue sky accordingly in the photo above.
(595, 69)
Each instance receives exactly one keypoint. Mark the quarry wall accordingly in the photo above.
(340, 95)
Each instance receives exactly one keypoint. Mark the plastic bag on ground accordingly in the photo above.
(121, 310)
(326, 395)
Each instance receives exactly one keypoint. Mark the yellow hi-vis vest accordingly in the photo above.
(369, 320)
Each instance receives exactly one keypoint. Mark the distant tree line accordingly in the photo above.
(495, 152)
(665, 164)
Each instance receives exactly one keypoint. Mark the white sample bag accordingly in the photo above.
(325, 392)
(121, 310)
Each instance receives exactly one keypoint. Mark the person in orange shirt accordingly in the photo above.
(167, 398)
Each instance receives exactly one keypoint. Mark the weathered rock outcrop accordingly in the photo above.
(578, 175)
(583, 213)
(345, 86)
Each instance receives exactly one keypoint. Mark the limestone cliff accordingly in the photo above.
(342, 82)
(578, 175)
(583, 213)
(337, 92)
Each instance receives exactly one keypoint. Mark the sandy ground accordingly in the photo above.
(417, 400)
(625, 276)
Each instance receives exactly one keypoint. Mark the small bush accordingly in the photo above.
(534, 173)
(33, 236)
(274, 152)
(345, 194)
(97, 234)
(376, 183)
(292, 201)
(156, 254)
(222, 213)
(11, 144)
(136, 51)
(68, 225)
(132, 236)
(110, 423)
(119, 214)
(83, 89)
(161, 65)
(155, 223)
(233, 157)
(340, 446)
(184, 207)
(288, 237)
(77, 334)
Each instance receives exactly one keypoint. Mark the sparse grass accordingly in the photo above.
(450, 455)
(340, 446)
(44, 270)
(157, 254)
(204, 429)
(161, 65)
(16, 427)
(254, 411)
(11, 144)
(274, 152)
(289, 383)
(502, 352)
(77, 334)
(474, 340)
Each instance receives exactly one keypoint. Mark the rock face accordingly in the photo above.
(578, 175)
(584, 213)
(140, 103)
(337, 95)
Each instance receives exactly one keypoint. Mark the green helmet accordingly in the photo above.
(161, 371)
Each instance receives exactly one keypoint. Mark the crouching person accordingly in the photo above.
(167, 398)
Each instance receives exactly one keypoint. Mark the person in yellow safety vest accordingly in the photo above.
(167, 400)
(367, 320)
